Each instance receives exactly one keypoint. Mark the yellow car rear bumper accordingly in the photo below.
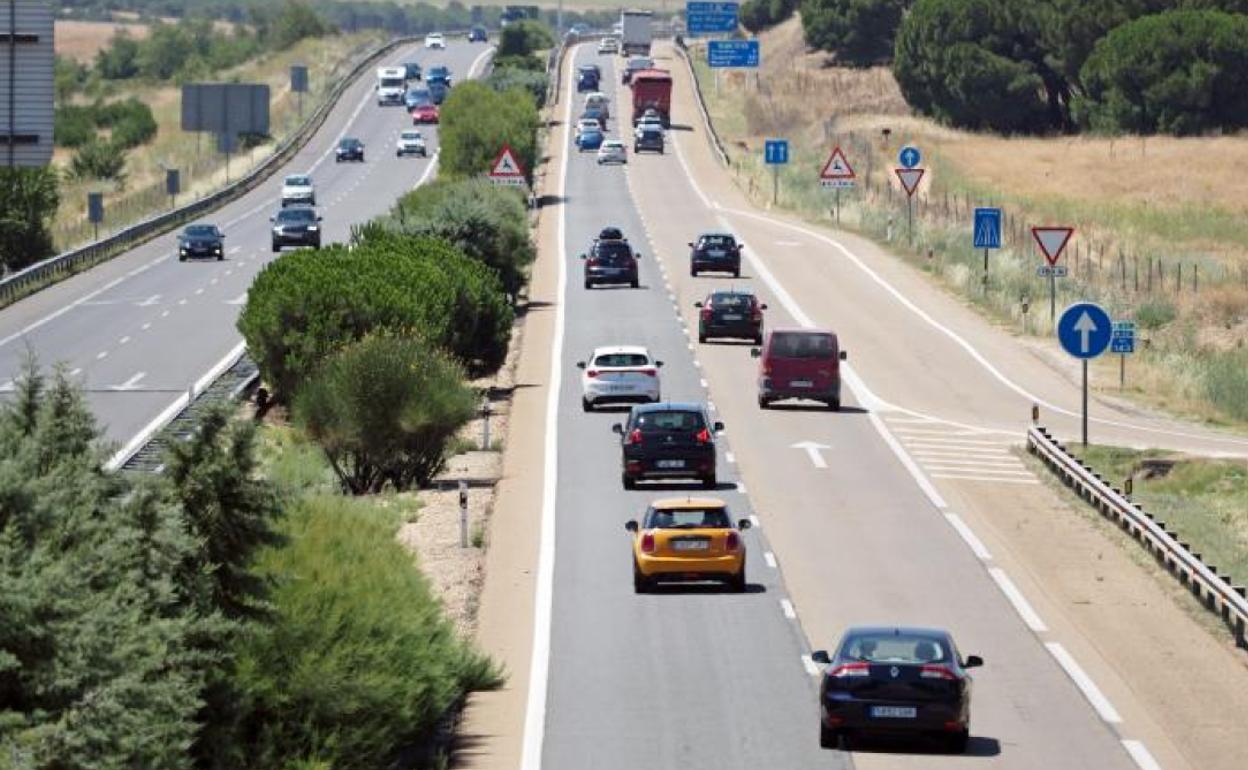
(650, 566)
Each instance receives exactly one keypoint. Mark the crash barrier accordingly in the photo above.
(716, 142)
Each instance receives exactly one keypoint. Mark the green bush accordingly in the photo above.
(1181, 72)
(98, 159)
(528, 62)
(523, 38)
(73, 126)
(383, 409)
(1154, 314)
(360, 665)
(131, 122)
(1226, 383)
(858, 31)
(307, 304)
(535, 82)
(476, 121)
(29, 198)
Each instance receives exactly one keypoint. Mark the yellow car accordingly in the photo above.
(687, 539)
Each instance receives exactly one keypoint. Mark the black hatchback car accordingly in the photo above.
(715, 253)
(349, 148)
(648, 138)
(296, 226)
(588, 77)
(611, 260)
(895, 680)
(735, 314)
(201, 241)
(668, 441)
(478, 35)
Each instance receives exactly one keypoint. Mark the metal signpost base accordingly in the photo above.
(985, 271)
(1052, 298)
(1085, 403)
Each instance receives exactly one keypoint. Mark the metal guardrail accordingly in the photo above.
(36, 276)
(706, 115)
(1211, 589)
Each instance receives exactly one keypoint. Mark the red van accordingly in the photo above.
(799, 363)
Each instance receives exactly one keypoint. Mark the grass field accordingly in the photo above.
(81, 40)
(1160, 229)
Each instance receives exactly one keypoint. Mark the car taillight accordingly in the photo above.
(758, 314)
(849, 670)
(936, 672)
(732, 542)
(650, 372)
(704, 436)
(766, 367)
(634, 437)
(591, 373)
(594, 262)
(706, 314)
(647, 543)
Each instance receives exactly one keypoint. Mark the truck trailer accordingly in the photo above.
(635, 33)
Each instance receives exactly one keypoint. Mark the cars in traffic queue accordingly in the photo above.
(588, 78)
(609, 45)
(611, 261)
(438, 92)
(349, 148)
(666, 441)
(435, 40)
(587, 124)
(715, 252)
(731, 313)
(296, 226)
(478, 34)
(600, 101)
(652, 94)
(201, 240)
(799, 363)
(411, 142)
(635, 65)
(619, 374)
(416, 96)
(439, 73)
(427, 113)
(297, 188)
(596, 114)
(649, 119)
(412, 70)
(649, 139)
(612, 151)
(590, 139)
(688, 539)
(894, 681)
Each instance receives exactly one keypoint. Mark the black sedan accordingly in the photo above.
(715, 253)
(895, 681)
(349, 148)
(611, 261)
(201, 241)
(735, 313)
(296, 226)
(668, 441)
(478, 35)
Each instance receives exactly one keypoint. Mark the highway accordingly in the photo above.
(138, 330)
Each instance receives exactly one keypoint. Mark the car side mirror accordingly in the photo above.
(617, 428)
(844, 355)
(718, 427)
(763, 306)
(692, 246)
(272, 219)
(697, 304)
(580, 364)
(744, 524)
(631, 526)
(973, 661)
(318, 219)
(821, 656)
(755, 353)
(637, 254)
(658, 363)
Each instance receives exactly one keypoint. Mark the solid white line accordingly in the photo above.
(711, 405)
(994, 480)
(770, 558)
(911, 421)
(977, 545)
(942, 435)
(7, 386)
(786, 607)
(987, 463)
(908, 462)
(977, 454)
(539, 666)
(58, 313)
(1021, 605)
(961, 446)
(1084, 683)
(812, 667)
(1140, 754)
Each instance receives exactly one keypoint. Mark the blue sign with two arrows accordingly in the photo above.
(710, 18)
(732, 53)
(987, 228)
(776, 151)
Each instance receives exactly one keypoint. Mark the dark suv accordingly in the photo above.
(349, 148)
(715, 252)
(611, 260)
(668, 441)
(736, 314)
(201, 241)
(296, 226)
(478, 35)
(648, 138)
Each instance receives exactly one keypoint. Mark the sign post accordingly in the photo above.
(1084, 331)
(1122, 342)
(910, 182)
(1052, 241)
(987, 234)
(95, 210)
(837, 174)
(775, 154)
(173, 185)
(506, 170)
(299, 83)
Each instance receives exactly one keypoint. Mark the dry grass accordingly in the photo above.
(81, 40)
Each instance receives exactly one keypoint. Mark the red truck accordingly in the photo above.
(652, 89)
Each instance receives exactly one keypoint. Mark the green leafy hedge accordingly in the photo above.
(476, 121)
(857, 31)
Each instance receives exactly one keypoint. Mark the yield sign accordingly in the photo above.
(910, 178)
(1052, 241)
(837, 172)
(506, 168)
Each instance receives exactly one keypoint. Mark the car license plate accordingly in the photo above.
(619, 388)
(690, 545)
(801, 383)
(669, 463)
(894, 712)
(732, 316)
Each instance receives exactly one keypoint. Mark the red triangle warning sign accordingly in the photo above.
(1052, 241)
(506, 166)
(910, 178)
(837, 172)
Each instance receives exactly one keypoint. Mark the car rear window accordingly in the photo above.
(688, 518)
(611, 250)
(690, 421)
(895, 648)
(622, 359)
(731, 300)
(802, 345)
(718, 241)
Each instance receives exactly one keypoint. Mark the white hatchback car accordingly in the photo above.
(411, 142)
(435, 40)
(297, 188)
(619, 374)
(608, 45)
(612, 151)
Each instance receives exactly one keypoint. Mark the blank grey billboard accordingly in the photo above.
(225, 108)
(25, 83)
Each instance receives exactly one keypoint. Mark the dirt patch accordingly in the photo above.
(81, 40)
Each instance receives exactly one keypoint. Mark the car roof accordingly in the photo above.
(938, 633)
(669, 406)
(609, 349)
(613, 141)
(688, 502)
(717, 234)
(800, 330)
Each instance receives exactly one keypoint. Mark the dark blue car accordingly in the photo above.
(438, 91)
(589, 140)
(587, 78)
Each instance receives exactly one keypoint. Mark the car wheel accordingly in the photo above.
(587, 405)
(220, 257)
(634, 283)
(276, 248)
(763, 402)
(828, 738)
(834, 404)
(758, 339)
(736, 273)
(636, 149)
(701, 337)
(957, 743)
(317, 245)
(693, 271)
(588, 284)
(181, 257)
(629, 483)
(641, 583)
(709, 482)
(737, 582)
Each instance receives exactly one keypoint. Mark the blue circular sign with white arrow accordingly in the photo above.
(909, 157)
(1084, 330)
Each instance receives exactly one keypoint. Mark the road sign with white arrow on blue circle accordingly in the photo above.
(1084, 330)
(909, 157)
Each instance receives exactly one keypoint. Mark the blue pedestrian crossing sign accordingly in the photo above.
(987, 228)
(776, 151)
(909, 157)
(1122, 339)
(1084, 330)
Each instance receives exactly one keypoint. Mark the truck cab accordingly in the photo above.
(391, 85)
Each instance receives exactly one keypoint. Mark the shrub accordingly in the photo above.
(383, 410)
(534, 81)
(1154, 314)
(73, 126)
(98, 159)
(131, 122)
(29, 198)
(857, 31)
(360, 665)
(307, 304)
(527, 62)
(524, 37)
(1226, 383)
(476, 121)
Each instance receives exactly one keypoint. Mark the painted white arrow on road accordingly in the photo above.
(812, 451)
(1085, 326)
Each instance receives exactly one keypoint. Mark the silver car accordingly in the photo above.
(612, 151)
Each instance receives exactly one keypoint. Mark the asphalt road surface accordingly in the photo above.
(138, 330)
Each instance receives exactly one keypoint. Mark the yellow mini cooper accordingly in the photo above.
(688, 539)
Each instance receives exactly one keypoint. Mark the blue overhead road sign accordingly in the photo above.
(710, 18)
(776, 151)
(909, 157)
(1084, 330)
(732, 53)
(987, 228)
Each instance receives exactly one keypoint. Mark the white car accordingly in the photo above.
(612, 151)
(621, 374)
(297, 188)
(411, 143)
(435, 40)
(648, 122)
(587, 124)
(608, 45)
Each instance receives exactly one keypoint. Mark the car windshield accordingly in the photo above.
(639, 64)
(732, 301)
(392, 82)
(201, 231)
(651, 133)
(670, 420)
(718, 242)
(622, 359)
(349, 144)
(889, 647)
(299, 181)
(411, 135)
(613, 144)
(802, 345)
(688, 518)
(438, 72)
(296, 215)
